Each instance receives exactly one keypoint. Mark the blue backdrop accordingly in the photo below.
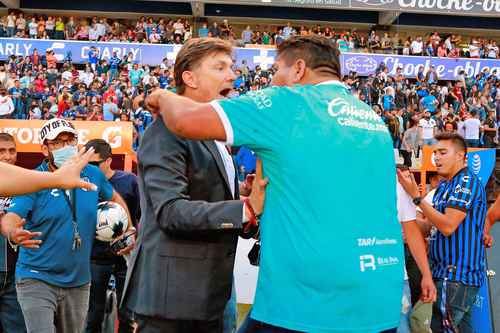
(482, 163)
(150, 54)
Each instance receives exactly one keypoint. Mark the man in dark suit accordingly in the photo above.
(180, 276)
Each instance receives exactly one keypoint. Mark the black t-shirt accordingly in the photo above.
(125, 184)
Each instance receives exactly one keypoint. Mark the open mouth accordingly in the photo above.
(225, 92)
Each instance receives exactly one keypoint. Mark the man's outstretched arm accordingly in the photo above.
(185, 117)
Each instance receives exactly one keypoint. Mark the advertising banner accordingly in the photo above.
(443, 7)
(447, 68)
(153, 54)
(27, 133)
(149, 54)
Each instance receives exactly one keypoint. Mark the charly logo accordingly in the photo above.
(361, 64)
(375, 2)
(58, 46)
(476, 164)
(113, 135)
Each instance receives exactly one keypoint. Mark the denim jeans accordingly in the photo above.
(51, 309)
(473, 143)
(250, 325)
(11, 316)
(100, 281)
(459, 301)
(404, 323)
(429, 142)
(231, 313)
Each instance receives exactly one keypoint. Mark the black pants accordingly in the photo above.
(155, 325)
(414, 276)
(100, 281)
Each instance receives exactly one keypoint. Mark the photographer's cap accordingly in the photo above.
(52, 128)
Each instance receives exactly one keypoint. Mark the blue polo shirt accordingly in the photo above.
(55, 262)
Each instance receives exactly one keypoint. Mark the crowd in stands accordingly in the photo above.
(38, 87)
(416, 110)
(170, 31)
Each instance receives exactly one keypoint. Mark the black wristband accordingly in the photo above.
(417, 201)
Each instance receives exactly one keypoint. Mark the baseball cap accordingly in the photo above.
(52, 128)
(421, 317)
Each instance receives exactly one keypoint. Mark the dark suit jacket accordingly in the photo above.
(182, 267)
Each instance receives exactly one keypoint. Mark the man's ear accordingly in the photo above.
(45, 150)
(299, 70)
(189, 79)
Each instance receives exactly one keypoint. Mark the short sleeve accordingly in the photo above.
(406, 208)
(103, 186)
(22, 205)
(463, 193)
(256, 120)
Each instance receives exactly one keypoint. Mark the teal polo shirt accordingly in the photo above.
(331, 245)
(55, 262)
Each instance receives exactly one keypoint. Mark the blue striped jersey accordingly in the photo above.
(461, 256)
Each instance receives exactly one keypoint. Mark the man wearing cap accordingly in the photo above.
(53, 272)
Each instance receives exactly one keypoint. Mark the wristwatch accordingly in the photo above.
(417, 201)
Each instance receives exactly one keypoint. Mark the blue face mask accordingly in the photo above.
(63, 154)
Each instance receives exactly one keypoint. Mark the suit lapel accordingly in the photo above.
(212, 148)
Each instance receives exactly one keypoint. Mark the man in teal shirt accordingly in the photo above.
(331, 256)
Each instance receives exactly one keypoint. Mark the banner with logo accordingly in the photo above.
(153, 54)
(27, 134)
(482, 163)
(149, 54)
(446, 68)
(460, 7)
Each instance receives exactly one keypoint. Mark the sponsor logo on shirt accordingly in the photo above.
(350, 115)
(367, 242)
(460, 189)
(368, 261)
(260, 99)
(476, 164)
(465, 202)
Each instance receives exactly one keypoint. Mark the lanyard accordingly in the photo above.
(77, 240)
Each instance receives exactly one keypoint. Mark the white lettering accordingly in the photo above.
(134, 53)
(27, 48)
(85, 52)
(405, 5)
(9, 49)
(367, 261)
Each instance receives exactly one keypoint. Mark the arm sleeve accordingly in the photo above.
(105, 188)
(406, 209)
(164, 165)
(22, 205)
(256, 120)
(464, 192)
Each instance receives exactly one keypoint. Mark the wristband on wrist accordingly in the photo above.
(417, 201)
(252, 219)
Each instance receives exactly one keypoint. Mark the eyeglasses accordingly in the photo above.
(56, 144)
(97, 163)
